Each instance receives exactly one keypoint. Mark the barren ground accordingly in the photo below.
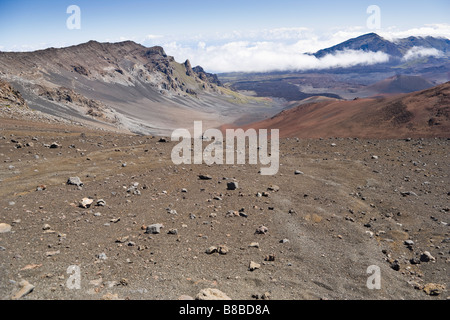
(346, 212)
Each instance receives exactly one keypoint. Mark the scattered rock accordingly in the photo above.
(110, 297)
(75, 181)
(172, 211)
(101, 203)
(31, 267)
(122, 239)
(264, 296)
(243, 214)
(41, 187)
(101, 256)
(52, 253)
(4, 227)
(254, 245)
(211, 250)
(25, 289)
(269, 257)
(409, 243)
(223, 249)
(232, 213)
(232, 185)
(395, 265)
(408, 193)
(427, 257)
(133, 189)
(253, 266)
(211, 294)
(261, 230)
(433, 289)
(204, 177)
(154, 228)
(86, 203)
(297, 172)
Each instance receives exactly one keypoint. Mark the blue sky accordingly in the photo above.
(185, 27)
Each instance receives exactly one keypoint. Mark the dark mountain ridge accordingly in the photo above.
(396, 49)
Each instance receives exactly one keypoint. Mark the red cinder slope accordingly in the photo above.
(420, 114)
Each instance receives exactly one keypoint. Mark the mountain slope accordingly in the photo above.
(367, 42)
(419, 114)
(10, 97)
(440, 44)
(400, 84)
(425, 57)
(396, 49)
(122, 85)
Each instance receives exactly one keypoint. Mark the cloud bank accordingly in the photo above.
(273, 49)
(420, 52)
(284, 49)
(269, 56)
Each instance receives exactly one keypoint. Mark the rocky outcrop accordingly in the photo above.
(66, 95)
(189, 71)
(81, 70)
(90, 107)
(9, 97)
(155, 53)
(207, 77)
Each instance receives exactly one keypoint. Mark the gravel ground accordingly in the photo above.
(335, 208)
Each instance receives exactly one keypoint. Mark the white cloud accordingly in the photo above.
(285, 48)
(419, 52)
(27, 48)
(266, 56)
(348, 58)
(275, 49)
(438, 30)
(153, 36)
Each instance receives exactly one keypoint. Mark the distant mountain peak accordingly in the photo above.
(396, 49)
(370, 35)
(366, 42)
